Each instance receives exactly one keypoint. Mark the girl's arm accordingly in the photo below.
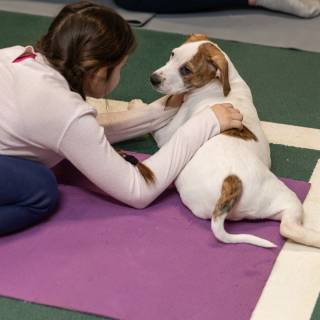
(137, 121)
(85, 145)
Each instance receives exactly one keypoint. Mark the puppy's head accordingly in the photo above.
(192, 65)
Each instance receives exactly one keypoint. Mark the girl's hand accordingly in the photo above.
(228, 116)
(175, 101)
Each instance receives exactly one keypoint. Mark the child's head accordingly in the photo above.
(88, 44)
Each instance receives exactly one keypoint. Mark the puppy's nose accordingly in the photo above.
(155, 79)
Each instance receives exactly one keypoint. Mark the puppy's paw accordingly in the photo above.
(135, 104)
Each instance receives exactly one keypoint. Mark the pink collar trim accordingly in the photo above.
(28, 53)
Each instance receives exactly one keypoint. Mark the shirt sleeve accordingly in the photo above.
(45, 105)
(86, 146)
(124, 125)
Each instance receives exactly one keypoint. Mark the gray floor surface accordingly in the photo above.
(246, 25)
(252, 25)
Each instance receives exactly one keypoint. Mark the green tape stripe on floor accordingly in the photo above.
(13, 309)
(294, 163)
(316, 311)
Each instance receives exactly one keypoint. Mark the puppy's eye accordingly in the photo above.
(184, 71)
(172, 54)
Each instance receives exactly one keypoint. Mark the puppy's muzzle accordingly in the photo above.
(155, 80)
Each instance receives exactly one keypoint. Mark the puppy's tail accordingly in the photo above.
(230, 194)
(220, 233)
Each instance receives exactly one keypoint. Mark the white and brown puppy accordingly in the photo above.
(229, 177)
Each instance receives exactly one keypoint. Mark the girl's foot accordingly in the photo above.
(301, 8)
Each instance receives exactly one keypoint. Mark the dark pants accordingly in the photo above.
(178, 6)
(28, 193)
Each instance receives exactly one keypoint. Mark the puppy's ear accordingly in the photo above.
(219, 61)
(196, 37)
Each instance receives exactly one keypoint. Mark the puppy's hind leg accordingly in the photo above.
(292, 226)
(230, 194)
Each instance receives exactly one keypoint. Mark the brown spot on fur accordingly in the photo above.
(244, 134)
(231, 191)
(204, 66)
(196, 37)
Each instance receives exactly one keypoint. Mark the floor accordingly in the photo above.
(267, 28)
(246, 25)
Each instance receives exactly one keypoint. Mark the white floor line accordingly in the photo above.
(293, 136)
(293, 286)
(277, 133)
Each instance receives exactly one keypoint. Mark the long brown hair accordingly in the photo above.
(83, 38)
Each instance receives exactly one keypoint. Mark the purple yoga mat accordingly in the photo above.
(99, 256)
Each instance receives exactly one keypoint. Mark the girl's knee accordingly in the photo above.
(45, 200)
(50, 194)
(28, 196)
(37, 207)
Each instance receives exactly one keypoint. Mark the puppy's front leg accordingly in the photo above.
(175, 100)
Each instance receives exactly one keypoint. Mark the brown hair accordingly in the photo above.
(146, 173)
(83, 38)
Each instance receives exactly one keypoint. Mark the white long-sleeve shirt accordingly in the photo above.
(128, 124)
(42, 120)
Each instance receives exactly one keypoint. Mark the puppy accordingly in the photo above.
(229, 177)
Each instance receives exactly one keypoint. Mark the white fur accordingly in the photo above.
(200, 182)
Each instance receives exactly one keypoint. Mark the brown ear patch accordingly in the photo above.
(244, 134)
(231, 191)
(204, 66)
(216, 57)
(201, 72)
(197, 37)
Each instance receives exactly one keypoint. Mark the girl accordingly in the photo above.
(44, 118)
